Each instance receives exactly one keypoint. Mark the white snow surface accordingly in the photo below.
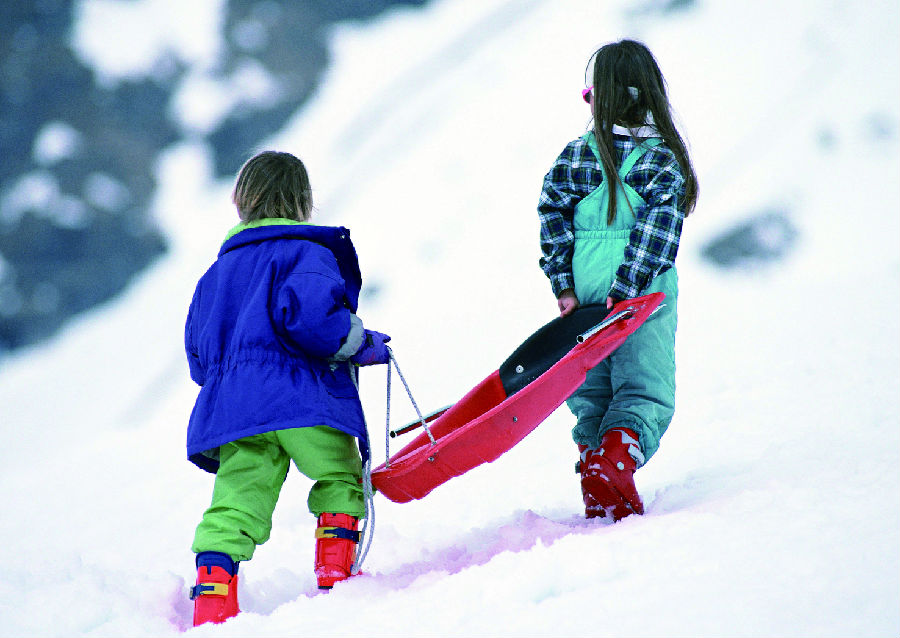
(772, 505)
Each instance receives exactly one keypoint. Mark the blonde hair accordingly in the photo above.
(273, 185)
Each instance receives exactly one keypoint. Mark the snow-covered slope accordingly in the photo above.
(772, 506)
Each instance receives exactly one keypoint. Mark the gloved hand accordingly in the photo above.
(373, 349)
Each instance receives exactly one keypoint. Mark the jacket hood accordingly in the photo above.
(334, 238)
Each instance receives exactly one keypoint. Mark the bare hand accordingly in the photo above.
(567, 302)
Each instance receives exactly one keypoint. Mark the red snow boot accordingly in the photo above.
(336, 539)
(607, 476)
(591, 505)
(215, 594)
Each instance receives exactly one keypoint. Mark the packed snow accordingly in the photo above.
(772, 505)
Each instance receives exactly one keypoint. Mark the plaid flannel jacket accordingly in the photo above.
(653, 243)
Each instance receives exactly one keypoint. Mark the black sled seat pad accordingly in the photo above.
(546, 346)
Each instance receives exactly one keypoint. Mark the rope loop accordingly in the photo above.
(411, 399)
(367, 533)
(387, 417)
(368, 530)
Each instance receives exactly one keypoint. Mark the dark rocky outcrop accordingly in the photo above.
(76, 175)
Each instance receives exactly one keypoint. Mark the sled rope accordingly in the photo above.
(368, 530)
(387, 417)
(367, 533)
(387, 424)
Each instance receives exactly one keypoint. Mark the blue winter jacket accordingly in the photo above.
(265, 324)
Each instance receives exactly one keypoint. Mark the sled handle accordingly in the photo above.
(409, 427)
(622, 314)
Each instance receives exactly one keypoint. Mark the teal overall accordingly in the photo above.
(635, 386)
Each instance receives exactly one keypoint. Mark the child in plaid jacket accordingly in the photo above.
(611, 212)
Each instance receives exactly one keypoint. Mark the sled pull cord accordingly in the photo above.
(367, 533)
(387, 425)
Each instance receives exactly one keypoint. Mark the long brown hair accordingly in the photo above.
(273, 185)
(619, 68)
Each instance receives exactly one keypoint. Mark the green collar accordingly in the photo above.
(262, 222)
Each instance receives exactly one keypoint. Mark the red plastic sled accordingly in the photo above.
(513, 400)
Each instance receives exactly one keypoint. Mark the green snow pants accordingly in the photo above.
(634, 387)
(249, 480)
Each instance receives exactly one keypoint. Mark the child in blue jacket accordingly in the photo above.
(611, 212)
(273, 340)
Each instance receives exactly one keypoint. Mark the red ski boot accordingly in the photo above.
(215, 594)
(607, 476)
(336, 539)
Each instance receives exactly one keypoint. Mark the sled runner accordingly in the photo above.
(512, 401)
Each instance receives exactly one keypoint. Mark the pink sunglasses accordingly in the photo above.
(586, 94)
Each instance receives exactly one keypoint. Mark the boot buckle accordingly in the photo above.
(337, 532)
(209, 589)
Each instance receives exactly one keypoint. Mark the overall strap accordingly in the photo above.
(632, 158)
(636, 154)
